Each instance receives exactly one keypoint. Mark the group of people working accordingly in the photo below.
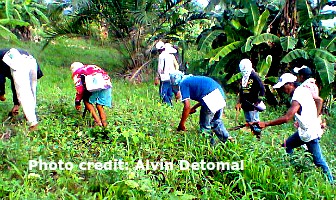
(93, 86)
(306, 105)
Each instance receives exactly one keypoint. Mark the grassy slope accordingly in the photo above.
(141, 128)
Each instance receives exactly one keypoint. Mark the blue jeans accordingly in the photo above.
(295, 141)
(212, 122)
(166, 92)
(251, 116)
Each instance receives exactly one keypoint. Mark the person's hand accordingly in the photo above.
(178, 96)
(238, 106)
(296, 124)
(156, 81)
(2, 98)
(261, 125)
(181, 127)
(78, 107)
(15, 110)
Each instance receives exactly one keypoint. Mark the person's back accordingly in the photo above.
(196, 87)
(309, 126)
(166, 63)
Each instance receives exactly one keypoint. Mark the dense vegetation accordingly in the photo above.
(142, 128)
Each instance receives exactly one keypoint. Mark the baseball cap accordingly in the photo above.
(304, 70)
(176, 77)
(169, 48)
(160, 45)
(285, 78)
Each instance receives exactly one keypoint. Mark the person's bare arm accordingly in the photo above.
(319, 103)
(193, 109)
(283, 119)
(185, 114)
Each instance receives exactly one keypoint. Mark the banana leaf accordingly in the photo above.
(265, 38)
(325, 69)
(321, 53)
(226, 50)
(295, 54)
(288, 43)
(234, 78)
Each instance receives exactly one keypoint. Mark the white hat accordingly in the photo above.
(285, 78)
(245, 65)
(76, 65)
(297, 69)
(160, 45)
(169, 48)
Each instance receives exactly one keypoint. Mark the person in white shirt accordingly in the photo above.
(303, 108)
(167, 64)
(304, 76)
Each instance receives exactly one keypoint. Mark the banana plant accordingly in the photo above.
(310, 46)
(17, 16)
(244, 32)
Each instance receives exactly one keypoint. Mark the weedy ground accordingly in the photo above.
(140, 127)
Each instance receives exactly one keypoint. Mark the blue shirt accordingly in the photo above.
(196, 87)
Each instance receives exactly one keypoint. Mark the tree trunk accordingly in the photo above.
(289, 22)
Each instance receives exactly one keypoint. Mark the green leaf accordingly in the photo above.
(329, 45)
(209, 39)
(236, 24)
(226, 50)
(253, 15)
(295, 54)
(248, 44)
(321, 53)
(264, 67)
(262, 21)
(325, 69)
(288, 43)
(9, 9)
(265, 38)
(132, 184)
(7, 34)
(14, 22)
(234, 78)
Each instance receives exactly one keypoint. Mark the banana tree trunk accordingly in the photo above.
(289, 22)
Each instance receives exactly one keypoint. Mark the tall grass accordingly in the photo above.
(142, 128)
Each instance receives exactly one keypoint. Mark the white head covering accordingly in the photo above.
(75, 66)
(169, 48)
(160, 45)
(245, 67)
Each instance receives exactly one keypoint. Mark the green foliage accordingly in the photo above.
(265, 38)
(19, 15)
(295, 54)
(260, 26)
(206, 42)
(288, 43)
(222, 52)
(264, 67)
(326, 70)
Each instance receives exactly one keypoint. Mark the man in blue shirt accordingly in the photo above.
(209, 95)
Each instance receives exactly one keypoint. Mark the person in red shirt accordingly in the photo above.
(100, 97)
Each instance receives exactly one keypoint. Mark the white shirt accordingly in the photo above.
(311, 85)
(167, 63)
(309, 125)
